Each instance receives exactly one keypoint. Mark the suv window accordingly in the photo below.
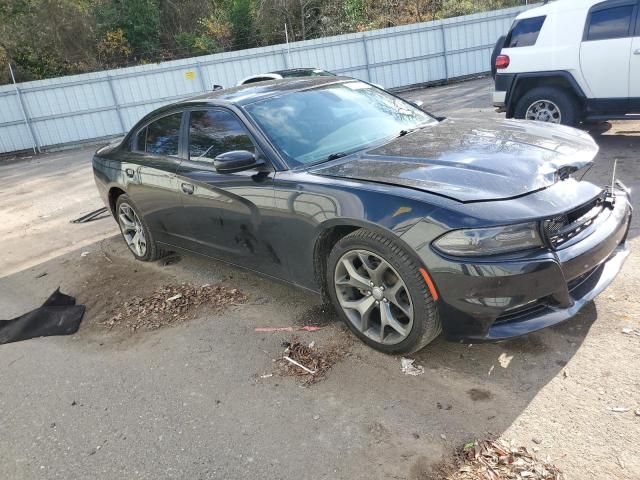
(161, 137)
(524, 33)
(212, 132)
(614, 22)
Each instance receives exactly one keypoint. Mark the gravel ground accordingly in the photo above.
(189, 400)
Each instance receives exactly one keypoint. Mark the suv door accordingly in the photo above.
(634, 73)
(605, 53)
(149, 171)
(227, 215)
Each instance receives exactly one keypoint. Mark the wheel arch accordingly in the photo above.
(525, 82)
(113, 195)
(331, 231)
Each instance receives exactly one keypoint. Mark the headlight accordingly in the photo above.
(490, 241)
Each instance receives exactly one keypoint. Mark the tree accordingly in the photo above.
(139, 21)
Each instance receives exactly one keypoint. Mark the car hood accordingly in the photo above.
(473, 159)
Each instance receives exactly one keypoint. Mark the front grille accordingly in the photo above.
(562, 228)
(523, 311)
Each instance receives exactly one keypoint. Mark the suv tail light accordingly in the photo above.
(502, 61)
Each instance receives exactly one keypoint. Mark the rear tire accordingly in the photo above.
(550, 105)
(135, 231)
(378, 291)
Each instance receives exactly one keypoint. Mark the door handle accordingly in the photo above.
(130, 172)
(636, 51)
(187, 188)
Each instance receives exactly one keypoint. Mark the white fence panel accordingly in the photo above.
(99, 105)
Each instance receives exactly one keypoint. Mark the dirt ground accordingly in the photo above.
(189, 401)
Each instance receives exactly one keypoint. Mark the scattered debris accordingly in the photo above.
(496, 460)
(619, 409)
(637, 412)
(536, 440)
(84, 254)
(627, 330)
(43, 274)
(306, 328)
(171, 260)
(505, 360)
(266, 375)
(408, 368)
(316, 417)
(443, 436)
(291, 360)
(313, 363)
(172, 304)
(89, 217)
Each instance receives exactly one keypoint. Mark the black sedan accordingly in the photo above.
(411, 226)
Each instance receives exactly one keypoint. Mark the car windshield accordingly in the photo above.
(320, 124)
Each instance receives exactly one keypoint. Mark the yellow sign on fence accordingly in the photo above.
(190, 75)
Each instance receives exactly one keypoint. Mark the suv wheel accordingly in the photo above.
(550, 105)
(378, 290)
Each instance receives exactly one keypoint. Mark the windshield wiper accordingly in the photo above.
(335, 156)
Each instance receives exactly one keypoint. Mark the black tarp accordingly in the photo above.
(59, 315)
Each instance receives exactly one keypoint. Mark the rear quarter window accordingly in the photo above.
(524, 33)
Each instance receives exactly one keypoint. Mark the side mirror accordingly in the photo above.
(418, 103)
(217, 87)
(236, 161)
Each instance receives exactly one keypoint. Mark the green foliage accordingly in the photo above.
(139, 20)
(47, 38)
(241, 18)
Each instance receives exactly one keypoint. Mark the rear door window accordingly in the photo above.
(161, 137)
(213, 132)
(607, 23)
(524, 33)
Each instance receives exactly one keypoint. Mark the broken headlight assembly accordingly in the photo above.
(490, 241)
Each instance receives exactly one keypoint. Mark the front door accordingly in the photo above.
(605, 53)
(227, 216)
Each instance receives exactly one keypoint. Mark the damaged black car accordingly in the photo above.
(412, 226)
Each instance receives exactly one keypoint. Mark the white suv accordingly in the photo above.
(570, 61)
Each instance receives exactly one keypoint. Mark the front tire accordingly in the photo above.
(549, 105)
(135, 232)
(378, 291)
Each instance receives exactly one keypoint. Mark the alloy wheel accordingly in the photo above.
(374, 297)
(544, 111)
(132, 230)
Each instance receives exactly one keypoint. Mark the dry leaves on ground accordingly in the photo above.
(495, 460)
(311, 358)
(172, 304)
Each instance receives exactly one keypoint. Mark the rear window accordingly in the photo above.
(524, 33)
(614, 22)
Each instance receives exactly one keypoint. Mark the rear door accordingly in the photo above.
(149, 171)
(227, 215)
(605, 53)
(634, 74)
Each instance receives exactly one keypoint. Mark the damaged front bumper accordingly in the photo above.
(500, 298)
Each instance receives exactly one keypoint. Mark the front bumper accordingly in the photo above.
(500, 299)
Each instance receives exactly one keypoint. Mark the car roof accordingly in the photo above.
(558, 6)
(291, 71)
(252, 92)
